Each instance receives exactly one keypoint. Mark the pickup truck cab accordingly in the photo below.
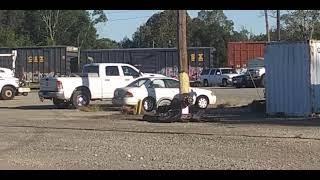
(218, 76)
(10, 86)
(97, 82)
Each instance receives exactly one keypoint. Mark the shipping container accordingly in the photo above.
(239, 53)
(293, 78)
(34, 62)
(155, 60)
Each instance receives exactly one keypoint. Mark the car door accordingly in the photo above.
(217, 77)
(172, 86)
(111, 81)
(158, 90)
(129, 74)
(211, 77)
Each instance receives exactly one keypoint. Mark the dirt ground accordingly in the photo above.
(34, 135)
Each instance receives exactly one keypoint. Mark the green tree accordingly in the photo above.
(106, 43)
(159, 31)
(301, 24)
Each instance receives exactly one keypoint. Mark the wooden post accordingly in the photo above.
(182, 54)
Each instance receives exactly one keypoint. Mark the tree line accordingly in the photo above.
(209, 29)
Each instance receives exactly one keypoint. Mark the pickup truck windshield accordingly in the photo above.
(139, 82)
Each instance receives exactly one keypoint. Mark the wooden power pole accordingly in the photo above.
(182, 54)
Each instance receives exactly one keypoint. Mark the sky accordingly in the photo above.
(123, 23)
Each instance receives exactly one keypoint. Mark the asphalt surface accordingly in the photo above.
(34, 135)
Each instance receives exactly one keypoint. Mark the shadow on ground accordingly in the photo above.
(91, 108)
(239, 115)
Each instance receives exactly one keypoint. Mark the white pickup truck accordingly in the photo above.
(10, 86)
(97, 82)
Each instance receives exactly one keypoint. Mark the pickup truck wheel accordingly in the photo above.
(60, 104)
(262, 81)
(205, 83)
(7, 93)
(80, 99)
(224, 83)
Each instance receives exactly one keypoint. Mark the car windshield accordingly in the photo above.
(139, 82)
(228, 71)
(205, 72)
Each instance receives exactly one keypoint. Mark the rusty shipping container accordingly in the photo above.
(34, 62)
(155, 60)
(239, 53)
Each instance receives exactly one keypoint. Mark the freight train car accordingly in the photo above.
(155, 60)
(240, 53)
(34, 62)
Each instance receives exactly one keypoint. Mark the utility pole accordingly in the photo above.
(278, 24)
(183, 59)
(267, 25)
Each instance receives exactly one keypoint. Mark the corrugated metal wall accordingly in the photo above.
(155, 60)
(34, 62)
(288, 88)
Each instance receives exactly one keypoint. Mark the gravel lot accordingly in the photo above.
(34, 135)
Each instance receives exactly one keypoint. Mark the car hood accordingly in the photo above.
(152, 75)
(231, 75)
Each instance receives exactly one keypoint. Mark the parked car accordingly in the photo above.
(10, 86)
(255, 74)
(240, 81)
(97, 82)
(218, 76)
(153, 90)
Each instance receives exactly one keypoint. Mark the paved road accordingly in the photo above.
(36, 136)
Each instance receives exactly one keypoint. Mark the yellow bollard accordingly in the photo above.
(138, 107)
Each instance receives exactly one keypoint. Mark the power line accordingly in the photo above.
(127, 18)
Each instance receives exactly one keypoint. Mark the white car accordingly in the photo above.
(218, 76)
(153, 90)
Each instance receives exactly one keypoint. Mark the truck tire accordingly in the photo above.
(7, 93)
(262, 81)
(60, 104)
(224, 83)
(205, 83)
(80, 98)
